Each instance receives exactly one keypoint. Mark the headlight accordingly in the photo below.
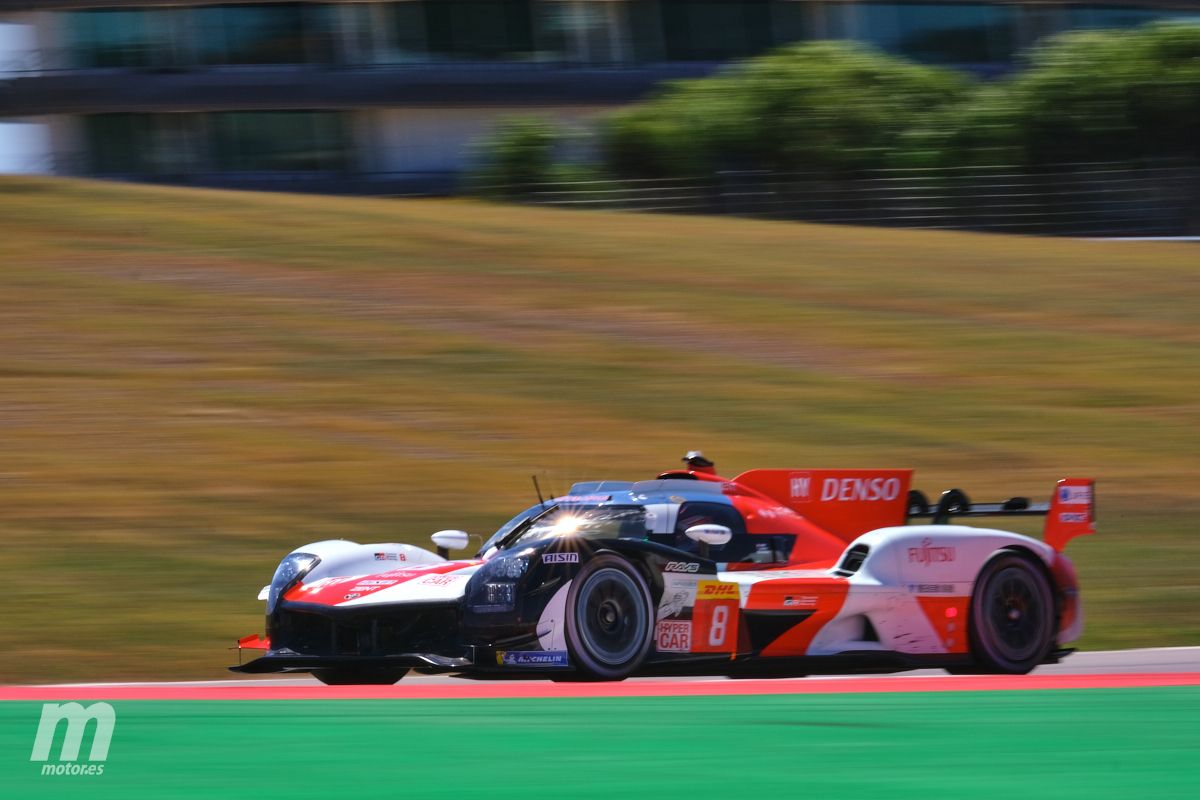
(500, 595)
(494, 587)
(290, 571)
(506, 567)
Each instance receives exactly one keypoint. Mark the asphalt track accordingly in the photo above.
(1170, 666)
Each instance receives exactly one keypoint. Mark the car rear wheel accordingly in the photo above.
(608, 619)
(358, 677)
(1012, 615)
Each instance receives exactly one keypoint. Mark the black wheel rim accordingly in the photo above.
(1015, 613)
(611, 616)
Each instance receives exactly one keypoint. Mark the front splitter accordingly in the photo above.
(287, 661)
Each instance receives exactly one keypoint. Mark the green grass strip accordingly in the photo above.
(1128, 743)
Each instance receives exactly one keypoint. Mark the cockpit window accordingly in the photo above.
(598, 522)
(743, 551)
(756, 548)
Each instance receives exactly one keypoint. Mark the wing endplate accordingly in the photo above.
(1072, 512)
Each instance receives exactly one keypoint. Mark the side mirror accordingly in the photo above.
(706, 535)
(450, 540)
(709, 534)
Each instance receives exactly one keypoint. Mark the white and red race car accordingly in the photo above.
(775, 571)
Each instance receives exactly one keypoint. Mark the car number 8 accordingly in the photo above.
(719, 626)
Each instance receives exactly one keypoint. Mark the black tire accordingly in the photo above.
(609, 622)
(1012, 617)
(359, 677)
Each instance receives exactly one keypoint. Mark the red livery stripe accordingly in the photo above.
(633, 688)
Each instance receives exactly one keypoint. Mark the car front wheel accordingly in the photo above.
(608, 619)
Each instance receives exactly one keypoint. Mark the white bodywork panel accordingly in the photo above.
(386, 573)
(907, 562)
(552, 625)
(342, 558)
(424, 589)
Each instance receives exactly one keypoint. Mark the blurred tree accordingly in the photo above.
(518, 155)
(825, 106)
(1090, 96)
(841, 107)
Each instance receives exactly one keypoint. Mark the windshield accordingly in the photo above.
(593, 522)
(507, 528)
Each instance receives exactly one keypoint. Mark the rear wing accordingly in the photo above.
(1071, 511)
(844, 502)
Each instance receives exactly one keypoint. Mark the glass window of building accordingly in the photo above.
(581, 31)
(796, 20)
(177, 144)
(410, 39)
(480, 29)
(282, 33)
(117, 144)
(1110, 17)
(950, 33)
(143, 144)
(1037, 22)
(554, 30)
(715, 30)
(644, 20)
(280, 141)
(111, 38)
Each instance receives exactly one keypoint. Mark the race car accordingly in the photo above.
(774, 572)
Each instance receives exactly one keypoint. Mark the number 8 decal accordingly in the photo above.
(719, 627)
(715, 618)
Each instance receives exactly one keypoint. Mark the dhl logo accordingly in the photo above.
(715, 590)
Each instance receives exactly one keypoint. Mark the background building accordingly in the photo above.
(388, 96)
